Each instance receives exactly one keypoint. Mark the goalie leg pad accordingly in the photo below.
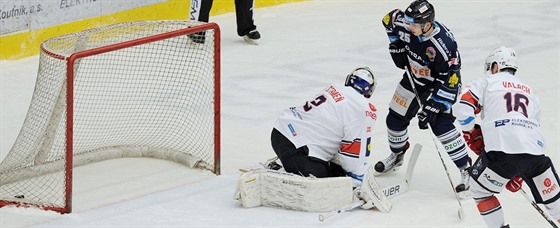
(290, 191)
(373, 194)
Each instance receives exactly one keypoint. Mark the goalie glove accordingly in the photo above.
(474, 139)
(359, 195)
(514, 184)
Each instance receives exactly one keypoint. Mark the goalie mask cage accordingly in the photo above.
(136, 89)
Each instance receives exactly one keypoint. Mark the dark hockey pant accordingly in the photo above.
(243, 11)
(296, 160)
(528, 166)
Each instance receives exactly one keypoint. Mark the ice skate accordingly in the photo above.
(391, 163)
(272, 163)
(462, 188)
(198, 37)
(252, 37)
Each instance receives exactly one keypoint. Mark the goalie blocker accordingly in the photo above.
(290, 191)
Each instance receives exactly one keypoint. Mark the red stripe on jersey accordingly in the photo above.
(469, 98)
(351, 148)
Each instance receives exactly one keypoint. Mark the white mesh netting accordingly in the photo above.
(151, 98)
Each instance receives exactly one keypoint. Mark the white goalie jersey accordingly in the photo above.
(340, 121)
(509, 110)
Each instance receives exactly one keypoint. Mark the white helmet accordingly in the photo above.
(362, 80)
(503, 56)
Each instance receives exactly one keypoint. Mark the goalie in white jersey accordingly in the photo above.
(329, 135)
(509, 141)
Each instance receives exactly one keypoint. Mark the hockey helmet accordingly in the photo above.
(504, 57)
(362, 80)
(420, 12)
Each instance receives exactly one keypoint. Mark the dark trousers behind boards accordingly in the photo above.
(243, 11)
(296, 160)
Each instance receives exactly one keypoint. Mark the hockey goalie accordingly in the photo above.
(323, 148)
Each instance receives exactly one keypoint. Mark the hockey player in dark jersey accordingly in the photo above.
(428, 51)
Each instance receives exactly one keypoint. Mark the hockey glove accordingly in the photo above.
(398, 54)
(361, 196)
(474, 139)
(514, 184)
(429, 114)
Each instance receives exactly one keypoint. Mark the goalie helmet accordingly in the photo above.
(420, 12)
(362, 80)
(504, 57)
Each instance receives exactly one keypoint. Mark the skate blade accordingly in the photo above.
(464, 195)
(394, 169)
(249, 40)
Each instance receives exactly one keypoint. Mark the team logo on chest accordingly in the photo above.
(372, 113)
(372, 107)
(431, 53)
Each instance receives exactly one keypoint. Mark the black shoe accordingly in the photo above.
(252, 37)
(272, 164)
(198, 37)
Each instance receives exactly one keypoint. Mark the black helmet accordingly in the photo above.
(420, 11)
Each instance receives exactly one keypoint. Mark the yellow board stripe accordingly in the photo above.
(24, 44)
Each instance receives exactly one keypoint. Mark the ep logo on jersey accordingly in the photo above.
(499, 123)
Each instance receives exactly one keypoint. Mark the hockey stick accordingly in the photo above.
(460, 211)
(539, 209)
(390, 191)
(403, 186)
(350, 207)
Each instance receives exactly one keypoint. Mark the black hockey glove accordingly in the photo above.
(398, 53)
(428, 114)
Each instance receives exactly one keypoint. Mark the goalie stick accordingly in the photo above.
(460, 211)
(390, 191)
(539, 209)
(350, 207)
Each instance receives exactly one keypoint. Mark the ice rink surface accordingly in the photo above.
(305, 47)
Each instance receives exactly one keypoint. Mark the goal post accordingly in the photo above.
(135, 89)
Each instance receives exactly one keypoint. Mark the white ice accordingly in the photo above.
(305, 47)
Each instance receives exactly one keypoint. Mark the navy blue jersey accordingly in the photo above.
(433, 59)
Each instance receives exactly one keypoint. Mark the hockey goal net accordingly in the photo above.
(136, 89)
